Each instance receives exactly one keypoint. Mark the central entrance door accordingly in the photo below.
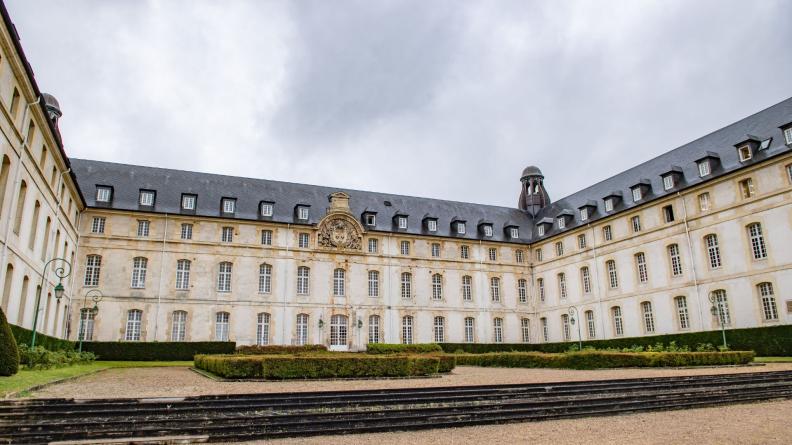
(338, 333)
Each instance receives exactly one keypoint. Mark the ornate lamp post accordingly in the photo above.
(96, 296)
(62, 271)
(717, 310)
(573, 314)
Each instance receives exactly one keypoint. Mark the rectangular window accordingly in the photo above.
(303, 280)
(188, 202)
(561, 223)
(618, 324)
(134, 318)
(227, 235)
(522, 290)
(373, 245)
(302, 213)
(747, 188)
(146, 198)
(432, 225)
(266, 209)
(562, 288)
(139, 265)
(525, 326)
(668, 213)
(789, 172)
(469, 330)
(676, 260)
(92, 268)
(519, 256)
(179, 326)
(539, 254)
(682, 312)
(374, 329)
(493, 254)
(640, 262)
(704, 202)
(98, 224)
(581, 241)
(540, 230)
(183, 274)
(704, 168)
(464, 252)
(559, 247)
(373, 283)
(648, 315)
(668, 182)
(607, 233)
(585, 278)
(713, 251)
(495, 289)
(265, 279)
(467, 288)
(439, 329)
(592, 329)
(224, 277)
(86, 324)
(636, 223)
(540, 286)
(613, 278)
(103, 194)
(788, 136)
(404, 247)
(545, 330)
(229, 205)
(407, 330)
(266, 237)
(186, 231)
(461, 228)
(143, 228)
(221, 326)
(609, 205)
(303, 240)
(402, 222)
(514, 232)
(583, 214)
(487, 230)
(302, 329)
(758, 247)
(636, 192)
(769, 309)
(371, 220)
(435, 250)
(744, 153)
(497, 324)
(565, 326)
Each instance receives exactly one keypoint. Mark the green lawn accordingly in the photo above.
(773, 359)
(26, 378)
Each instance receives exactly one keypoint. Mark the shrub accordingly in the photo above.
(283, 366)
(388, 348)
(149, 351)
(603, 359)
(24, 337)
(9, 355)
(278, 349)
(765, 341)
(447, 363)
(39, 358)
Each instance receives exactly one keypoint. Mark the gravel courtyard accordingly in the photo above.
(179, 382)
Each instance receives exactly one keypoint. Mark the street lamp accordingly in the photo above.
(62, 271)
(96, 295)
(573, 313)
(717, 310)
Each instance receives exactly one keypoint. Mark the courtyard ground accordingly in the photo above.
(182, 382)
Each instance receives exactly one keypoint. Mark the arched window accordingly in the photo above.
(565, 326)
(139, 265)
(133, 324)
(648, 317)
(45, 241)
(20, 206)
(437, 287)
(562, 289)
(585, 279)
(5, 168)
(302, 329)
(93, 264)
(406, 285)
(183, 274)
(9, 275)
(618, 323)
(265, 278)
(497, 334)
(769, 309)
(86, 327)
(470, 331)
(439, 329)
(540, 286)
(525, 327)
(262, 328)
(467, 288)
(676, 260)
(495, 288)
(721, 307)
(23, 301)
(522, 290)
(338, 330)
(303, 280)
(339, 282)
(683, 317)
(545, 329)
(407, 330)
(713, 250)
(34, 225)
(592, 328)
(757, 241)
(373, 283)
(640, 264)
(179, 326)
(374, 329)
(224, 277)
(222, 326)
(613, 278)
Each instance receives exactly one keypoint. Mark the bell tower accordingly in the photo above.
(533, 196)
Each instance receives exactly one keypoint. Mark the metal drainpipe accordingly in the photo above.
(692, 260)
(12, 212)
(389, 265)
(597, 278)
(159, 283)
(283, 285)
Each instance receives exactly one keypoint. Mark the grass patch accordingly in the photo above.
(28, 378)
(773, 359)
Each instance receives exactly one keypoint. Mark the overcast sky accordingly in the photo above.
(444, 99)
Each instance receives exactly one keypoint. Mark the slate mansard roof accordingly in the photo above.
(169, 185)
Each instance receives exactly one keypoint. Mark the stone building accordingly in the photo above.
(186, 256)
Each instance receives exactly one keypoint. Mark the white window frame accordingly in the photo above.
(487, 230)
(103, 194)
(406, 285)
(435, 250)
(467, 288)
(618, 321)
(265, 278)
(668, 182)
(262, 328)
(492, 254)
(227, 235)
(541, 287)
(439, 329)
(592, 327)
(373, 283)
(143, 228)
(464, 252)
(519, 256)
(186, 231)
(609, 204)
(497, 330)
(229, 205)
(224, 271)
(585, 279)
(460, 228)
(584, 214)
(525, 328)
(301, 330)
(178, 325)
(768, 301)
(713, 250)
(431, 225)
(495, 289)
(266, 237)
(373, 245)
(756, 238)
(607, 233)
(303, 280)
(146, 198)
(133, 325)
(303, 240)
(371, 219)
(636, 194)
(704, 201)
(704, 168)
(683, 316)
(522, 290)
(404, 247)
(183, 274)
(339, 282)
(648, 317)
(636, 223)
(613, 276)
(188, 202)
(561, 223)
(747, 189)
(582, 241)
(514, 232)
(402, 221)
(139, 266)
(93, 267)
(745, 153)
(437, 287)
(540, 230)
(675, 259)
(302, 213)
(788, 136)
(470, 330)
(222, 326)
(640, 262)
(98, 224)
(374, 329)
(267, 209)
(562, 288)
(407, 329)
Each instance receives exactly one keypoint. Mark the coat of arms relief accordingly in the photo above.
(339, 229)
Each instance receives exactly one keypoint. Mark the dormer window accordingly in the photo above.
(460, 227)
(745, 153)
(402, 221)
(103, 194)
(584, 214)
(302, 213)
(561, 223)
(431, 225)
(608, 204)
(487, 230)
(668, 182)
(704, 168)
(229, 205)
(267, 209)
(540, 230)
(370, 219)
(788, 136)
(146, 198)
(188, 202)
(514, 232)
(637, 195)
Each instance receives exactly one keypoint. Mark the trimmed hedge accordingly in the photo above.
(24, 336)
(150, 351)
(279, 349)
(397, 348)
(320, 366)
(765, 341)
(9, 354)
(447, 363)
(603, 359)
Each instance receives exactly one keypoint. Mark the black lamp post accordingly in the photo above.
(573, 313)
(717, 310)
(61, 272)
(96, 296)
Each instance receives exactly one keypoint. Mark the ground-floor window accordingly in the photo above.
(592, 328)
(86, 324)
(302, 329)
(439, 329)
(221, 326)
(134, 318)
(338, 330)
(525, 325)
(497, 324)
(179, 326)
(470, 336)
(407, 330)
(374, 329)
(262, 328)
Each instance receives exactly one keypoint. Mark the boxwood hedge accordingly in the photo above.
(9, 354)
(765, 341)
(280, 349)
(603, 359)
(149, 351)
(397, 348)
(24, 336)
